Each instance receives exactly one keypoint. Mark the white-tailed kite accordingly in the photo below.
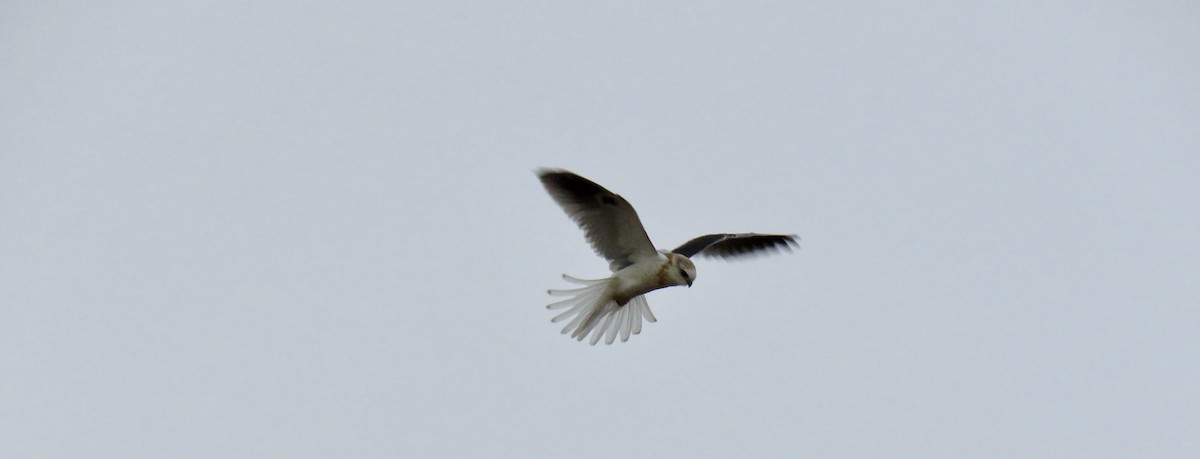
(616, 305)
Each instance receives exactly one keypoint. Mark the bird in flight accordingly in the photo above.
(616, 305)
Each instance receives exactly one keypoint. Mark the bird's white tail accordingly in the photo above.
(595, 311)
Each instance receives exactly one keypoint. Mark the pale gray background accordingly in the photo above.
(295, 229)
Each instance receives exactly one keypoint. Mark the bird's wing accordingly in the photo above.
(736, 245)
(608, 220)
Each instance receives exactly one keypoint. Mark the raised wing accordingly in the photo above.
(608, 220)
(736, 245)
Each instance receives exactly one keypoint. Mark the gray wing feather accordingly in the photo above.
(726, 245)
(608, 220)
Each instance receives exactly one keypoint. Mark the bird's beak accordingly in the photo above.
(689, 284)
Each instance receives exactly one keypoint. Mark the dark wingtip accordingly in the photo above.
(753, 247)
(546, 174)
(544, 171)
(564, 184)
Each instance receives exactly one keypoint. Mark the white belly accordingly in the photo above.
(644, 276)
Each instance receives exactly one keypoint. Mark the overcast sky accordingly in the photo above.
(295, 229)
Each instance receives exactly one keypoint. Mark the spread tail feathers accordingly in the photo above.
(592, 309)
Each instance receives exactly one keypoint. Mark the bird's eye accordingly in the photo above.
(684, 274)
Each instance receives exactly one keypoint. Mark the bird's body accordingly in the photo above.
(616, 305)
(649, 274)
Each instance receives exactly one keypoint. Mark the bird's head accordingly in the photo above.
(683, 271)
